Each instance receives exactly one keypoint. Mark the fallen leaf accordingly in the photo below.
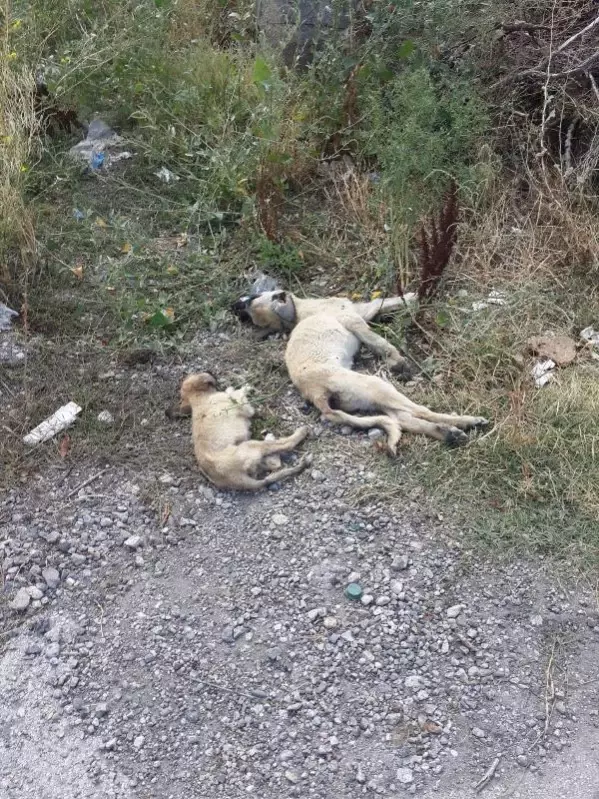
(78, 271)
(172, 269)
(127, 247)
(65, 446)
(99, 222)
(376, 294)
(561, 349)
(356, 296)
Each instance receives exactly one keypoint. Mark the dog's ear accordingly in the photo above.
(284, 307)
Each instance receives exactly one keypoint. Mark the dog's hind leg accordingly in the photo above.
(451, 419)
(390, 425)
(452, 436)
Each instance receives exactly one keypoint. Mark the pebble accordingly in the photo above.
(400, 563)
(51, 577)
(105, 417)
(478, 733)
(21, 600)
(405, 776)
(280, 519)
(133, 542)
(454, 611)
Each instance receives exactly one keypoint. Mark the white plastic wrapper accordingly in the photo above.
(59, 421)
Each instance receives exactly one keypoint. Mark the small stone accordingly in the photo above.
(396, 587)
(292, 776)
(101, 709)
(478, 733)
(51, 577)
(317, 476)
(21, 601)
(536, 620)
(133, 542)
(138, 742)
(280, 519)
(105, 417)
(330, 622)
(522, 760)
(52, 650)
(454, 611)
(382, 601)
(400, 563)
(315, 613)
(34, 648)
(405, 776)
(375, 434)
(367, 599)
(561, 708)
(35, 592)
(360, 776)
(413, 682)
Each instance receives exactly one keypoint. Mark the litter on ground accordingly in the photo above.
(59, 421)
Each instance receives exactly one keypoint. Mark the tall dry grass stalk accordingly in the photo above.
(18, 141)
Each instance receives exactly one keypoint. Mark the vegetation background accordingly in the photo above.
(331, 178)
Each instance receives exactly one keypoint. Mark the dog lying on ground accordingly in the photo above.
(326, 334)
(221, 437)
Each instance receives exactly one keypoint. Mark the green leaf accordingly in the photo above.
(261, 73)
(406, 49)
(442, 319)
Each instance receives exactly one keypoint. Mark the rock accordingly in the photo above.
(105, 417)
(560, 349)
(21, 601)
(375, 434)
(35, 592)
(133, 542)
(382, 601)
(478, 733)
(400, 563)
(560, 706)
(522, 760)
(292, 776)
(454, 611)
(396, 587)
(405, 776)
(280, 519)
(299, 28)
(330, 622)
(138, 741)
(536, 620)
(367, 599)
(413, 683)
(317, 476)
(51, 577)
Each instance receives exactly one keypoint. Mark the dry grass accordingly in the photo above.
(18, 129)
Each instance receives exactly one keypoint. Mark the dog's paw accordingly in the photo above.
(402, 370)
(480, 423)
(303, 432)
(455, 437)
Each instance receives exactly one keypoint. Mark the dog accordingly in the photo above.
(221, 437)
(325, 336)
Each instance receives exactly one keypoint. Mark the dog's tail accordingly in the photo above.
(195, 384)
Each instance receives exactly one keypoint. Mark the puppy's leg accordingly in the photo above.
(375, 343)
(268, 448)
(452, 436)
(370, 310)
(247, 483)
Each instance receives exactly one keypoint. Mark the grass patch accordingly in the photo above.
(320, 178)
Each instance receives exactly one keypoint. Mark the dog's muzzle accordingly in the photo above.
(241, 307)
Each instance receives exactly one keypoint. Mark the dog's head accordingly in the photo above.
(196, 384)
(274, 310)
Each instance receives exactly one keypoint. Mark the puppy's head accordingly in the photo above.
(196, 384)
(274, 310)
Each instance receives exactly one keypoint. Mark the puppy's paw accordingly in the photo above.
(306, 460)
(455, 437)
(303, 432)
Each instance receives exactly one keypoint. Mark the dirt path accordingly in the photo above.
(182, 643)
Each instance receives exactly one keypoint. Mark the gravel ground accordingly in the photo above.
(164, 640)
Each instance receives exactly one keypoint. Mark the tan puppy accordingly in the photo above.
(221, 437)
(325, 337)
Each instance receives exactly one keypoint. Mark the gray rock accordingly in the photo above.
(454, 611)
(405, 776)
(133, 542)
(51, 577)
(21, 601)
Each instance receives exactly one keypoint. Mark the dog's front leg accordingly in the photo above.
(376, 343)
